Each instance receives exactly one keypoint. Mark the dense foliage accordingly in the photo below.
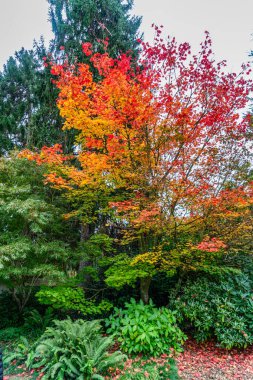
(66, 298)
(75, 22)
(33, 240)
(165, 145)
(29, 116)
(220, 307)
(145, 329)
(74, 350)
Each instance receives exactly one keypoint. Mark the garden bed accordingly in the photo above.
(203, 361)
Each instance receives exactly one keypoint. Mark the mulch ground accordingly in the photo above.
(207, 362)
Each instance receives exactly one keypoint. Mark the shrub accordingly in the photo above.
(74, 350)
(35, 322)
(22, 353)
(145, 329)
(11, 333)
(68, 298)
(220, 307)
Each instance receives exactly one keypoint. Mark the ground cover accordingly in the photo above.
(208, 362)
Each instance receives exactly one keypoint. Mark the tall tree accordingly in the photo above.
(29, 116)
(78, 21)
(34, 240)
(165, 141)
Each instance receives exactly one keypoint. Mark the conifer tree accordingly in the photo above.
(76, 21)
(29, 116)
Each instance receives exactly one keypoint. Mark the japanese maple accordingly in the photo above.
(163, 135)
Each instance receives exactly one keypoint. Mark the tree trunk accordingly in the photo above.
(84, 236)
(144, 288)
(21, 296)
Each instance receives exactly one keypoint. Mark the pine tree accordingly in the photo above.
(16, 100)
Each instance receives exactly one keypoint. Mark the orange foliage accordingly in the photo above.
(164, 131)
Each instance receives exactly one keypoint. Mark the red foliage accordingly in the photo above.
(168, 128)
(173, 124)
(211, 245)
(47, 155)
(87, 48)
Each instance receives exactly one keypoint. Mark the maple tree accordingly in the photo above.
(163, 136)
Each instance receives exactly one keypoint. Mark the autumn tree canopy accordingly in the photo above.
(164, 136)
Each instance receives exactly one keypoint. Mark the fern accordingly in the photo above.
(36, 321)
(74, 350)
(21, 352)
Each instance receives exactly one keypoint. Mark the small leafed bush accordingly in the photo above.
(74, 350)
(71, 299)
(145, 329)
(220, 308)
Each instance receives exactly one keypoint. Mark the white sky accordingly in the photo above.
(230, 23)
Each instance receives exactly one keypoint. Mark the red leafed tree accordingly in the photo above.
(165, 135)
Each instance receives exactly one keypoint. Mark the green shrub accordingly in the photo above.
(34, 325)
(74, 350)
(21, 353)
(35, 321)
(222, 308)
(68, 298)
(9, 313)
(11, 333)
(145, 329)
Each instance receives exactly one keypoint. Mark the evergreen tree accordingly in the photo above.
(16, 100)
(76, 21)
(29, 116)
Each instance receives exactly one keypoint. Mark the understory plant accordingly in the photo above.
(11, 333)
(145, 329)
(74, 350)
(220, 308)
(9, 313)
(66, 298)
(36, 322)
(21, 353)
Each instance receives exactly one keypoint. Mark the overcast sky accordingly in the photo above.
(230, 23)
